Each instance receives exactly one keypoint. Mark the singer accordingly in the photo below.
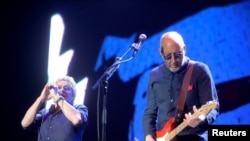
(64, 121)
(169, 105)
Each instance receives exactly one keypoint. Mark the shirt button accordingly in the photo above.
(48, 138)
(171, 100)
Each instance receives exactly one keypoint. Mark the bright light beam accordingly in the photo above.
(58, 64)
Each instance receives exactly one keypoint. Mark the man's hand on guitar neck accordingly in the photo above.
(193, 120)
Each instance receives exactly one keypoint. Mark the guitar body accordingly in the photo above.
(162, 135)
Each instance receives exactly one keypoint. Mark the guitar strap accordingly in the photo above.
(183, 91)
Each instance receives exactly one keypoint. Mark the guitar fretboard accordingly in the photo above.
(175, 131)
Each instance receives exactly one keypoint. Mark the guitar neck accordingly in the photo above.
(165, 135)
(176, 131)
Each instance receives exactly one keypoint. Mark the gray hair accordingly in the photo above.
(71, 82)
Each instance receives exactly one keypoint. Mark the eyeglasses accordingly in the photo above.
(177, 55)
(64, 87)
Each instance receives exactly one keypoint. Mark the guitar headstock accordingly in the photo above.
(205, 109)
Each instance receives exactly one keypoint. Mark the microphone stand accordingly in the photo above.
(106, 76)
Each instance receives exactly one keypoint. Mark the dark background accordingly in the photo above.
(24, 43)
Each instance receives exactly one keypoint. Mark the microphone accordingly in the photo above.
(52, 108)
(136, 46)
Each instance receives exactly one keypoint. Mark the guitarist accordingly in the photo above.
(164, 89)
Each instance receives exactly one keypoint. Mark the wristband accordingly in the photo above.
(57, 100)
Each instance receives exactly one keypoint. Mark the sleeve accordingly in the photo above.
(150, 111)
(83, 109)
(208, 92)
(35, 125)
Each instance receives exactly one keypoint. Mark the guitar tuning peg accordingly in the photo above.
(202, 117)
(211, 101)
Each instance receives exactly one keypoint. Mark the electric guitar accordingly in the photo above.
(169, 131)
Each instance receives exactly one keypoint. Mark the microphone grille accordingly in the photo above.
(143, 37)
